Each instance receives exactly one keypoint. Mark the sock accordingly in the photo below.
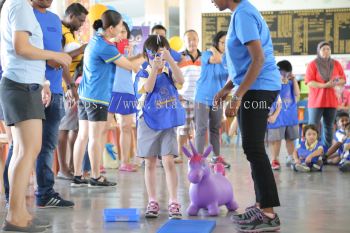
(152, 199)
(172, 201)
(269, 215)
(96, 178)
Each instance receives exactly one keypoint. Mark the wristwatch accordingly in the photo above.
(236, 98)
(70, 86)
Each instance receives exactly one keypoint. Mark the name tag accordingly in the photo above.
(51, 29)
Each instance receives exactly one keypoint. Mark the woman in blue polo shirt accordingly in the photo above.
(100, 59)
(23, 97)
(213, 77)
(251, 65)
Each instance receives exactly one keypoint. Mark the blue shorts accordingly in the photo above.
(122, 103)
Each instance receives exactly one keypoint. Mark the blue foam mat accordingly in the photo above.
(188, 226)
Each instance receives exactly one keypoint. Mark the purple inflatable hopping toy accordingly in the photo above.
(207, 190)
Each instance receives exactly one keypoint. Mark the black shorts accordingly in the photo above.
(89, 111)
(20, 101)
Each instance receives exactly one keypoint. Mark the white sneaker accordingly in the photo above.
(302, 168)
(289, 161)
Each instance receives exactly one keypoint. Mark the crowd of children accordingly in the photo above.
(310, 154)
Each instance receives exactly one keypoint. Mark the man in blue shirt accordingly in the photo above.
(52, 34)
(251, 65)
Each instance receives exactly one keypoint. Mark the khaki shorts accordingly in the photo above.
(287, 133)
(151, 143)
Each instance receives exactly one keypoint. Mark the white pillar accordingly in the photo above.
(183, 16)
(58, 7)
(156, 11)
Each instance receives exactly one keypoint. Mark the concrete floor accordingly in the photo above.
(311, 203)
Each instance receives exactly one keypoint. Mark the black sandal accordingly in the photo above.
(98, 183)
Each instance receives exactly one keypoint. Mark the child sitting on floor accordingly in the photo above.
(344, 164)
(307, 156)
(333, 154)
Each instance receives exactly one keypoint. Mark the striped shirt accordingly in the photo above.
(191, 70)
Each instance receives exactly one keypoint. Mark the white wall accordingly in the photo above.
(58, 7)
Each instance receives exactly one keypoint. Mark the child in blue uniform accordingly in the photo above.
(307, 156)
(161, 113)
(344, 164)
(284, 124)
(332, 156)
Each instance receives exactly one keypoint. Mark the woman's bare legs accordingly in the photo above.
(27, 136)
(80, 146)
(97, 139)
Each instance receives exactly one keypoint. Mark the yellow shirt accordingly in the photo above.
(71, 43)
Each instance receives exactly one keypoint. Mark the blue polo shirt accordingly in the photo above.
(247, 24)
(212, 79)
(123, 82)
(99, 71)
(51, 27)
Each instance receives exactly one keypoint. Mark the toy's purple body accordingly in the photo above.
(207, 190)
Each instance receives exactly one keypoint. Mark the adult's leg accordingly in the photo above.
(62, 152)
(315, 115)
(184, 132)
(6, 172)
(328, 123)
(7, 163)
(86, 163)
(72, 137)
(181, 140)
(215, 116)
(80, 146)
(201, 115)
(44, 174)
(253, 115)
(97, 134)
(27, 138)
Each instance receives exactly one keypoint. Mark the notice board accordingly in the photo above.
(294, 32)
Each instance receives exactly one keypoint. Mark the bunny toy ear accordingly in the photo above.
(194, 151)
(186, 152)
(207, 151)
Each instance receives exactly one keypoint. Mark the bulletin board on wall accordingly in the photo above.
(293, 32)
(83, 34)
